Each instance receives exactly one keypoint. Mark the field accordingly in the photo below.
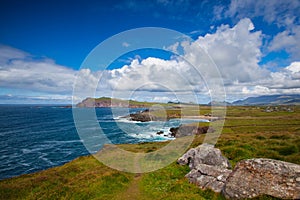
(248, 132)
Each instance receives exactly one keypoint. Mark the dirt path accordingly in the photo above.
(133, 191)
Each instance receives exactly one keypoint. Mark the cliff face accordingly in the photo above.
(105, 102)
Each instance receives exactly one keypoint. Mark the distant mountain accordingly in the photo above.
(293, 99)
(219, 103)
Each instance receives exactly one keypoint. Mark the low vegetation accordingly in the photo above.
(248, 132)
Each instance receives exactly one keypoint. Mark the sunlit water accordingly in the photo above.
(34, 138)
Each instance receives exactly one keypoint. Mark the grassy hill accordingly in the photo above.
(292, 99)
(112, 102)
(248, 132)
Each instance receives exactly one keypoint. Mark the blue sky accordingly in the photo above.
(43, 44)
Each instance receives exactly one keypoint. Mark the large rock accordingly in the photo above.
(255, 177)
(204, 154)
(209, 169)
(209, 176)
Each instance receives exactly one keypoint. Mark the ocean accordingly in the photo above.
(34, 137)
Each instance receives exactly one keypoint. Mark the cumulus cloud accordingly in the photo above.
(282, 13)
(294, 67)
(154, 74)
(235, 51)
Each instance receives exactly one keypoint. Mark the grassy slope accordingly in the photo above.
(248, 132)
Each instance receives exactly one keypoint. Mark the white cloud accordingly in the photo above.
(287, 40)
(256, 90)
(280, 12)
(8, 54)
(235, 51)
(154, 74)
(163, 99)
(19, 70)
(173, 48)
(294, 67)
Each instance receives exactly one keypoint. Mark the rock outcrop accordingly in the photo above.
(145, 116)
(186, 130)
(209, 176)
(209, 169)
(250, 178)
(255, 177)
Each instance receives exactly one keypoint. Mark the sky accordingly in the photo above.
(45, 46)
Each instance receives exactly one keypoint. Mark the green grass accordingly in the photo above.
(248, 132)
(83, 178)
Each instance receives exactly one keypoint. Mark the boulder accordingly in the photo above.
(209, 176)
(204, 154)
(255, 177)
(209, 169)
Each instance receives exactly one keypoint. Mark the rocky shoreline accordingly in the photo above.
(175, 132)
(146, 116)
(187, 130)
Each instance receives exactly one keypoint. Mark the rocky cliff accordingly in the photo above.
(106, 102)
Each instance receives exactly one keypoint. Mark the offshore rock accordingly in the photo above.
(145, 116)
(187, 130)
(255, 177)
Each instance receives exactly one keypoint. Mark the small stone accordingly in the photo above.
(298, 179)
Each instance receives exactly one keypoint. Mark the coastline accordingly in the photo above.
(249, 132)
